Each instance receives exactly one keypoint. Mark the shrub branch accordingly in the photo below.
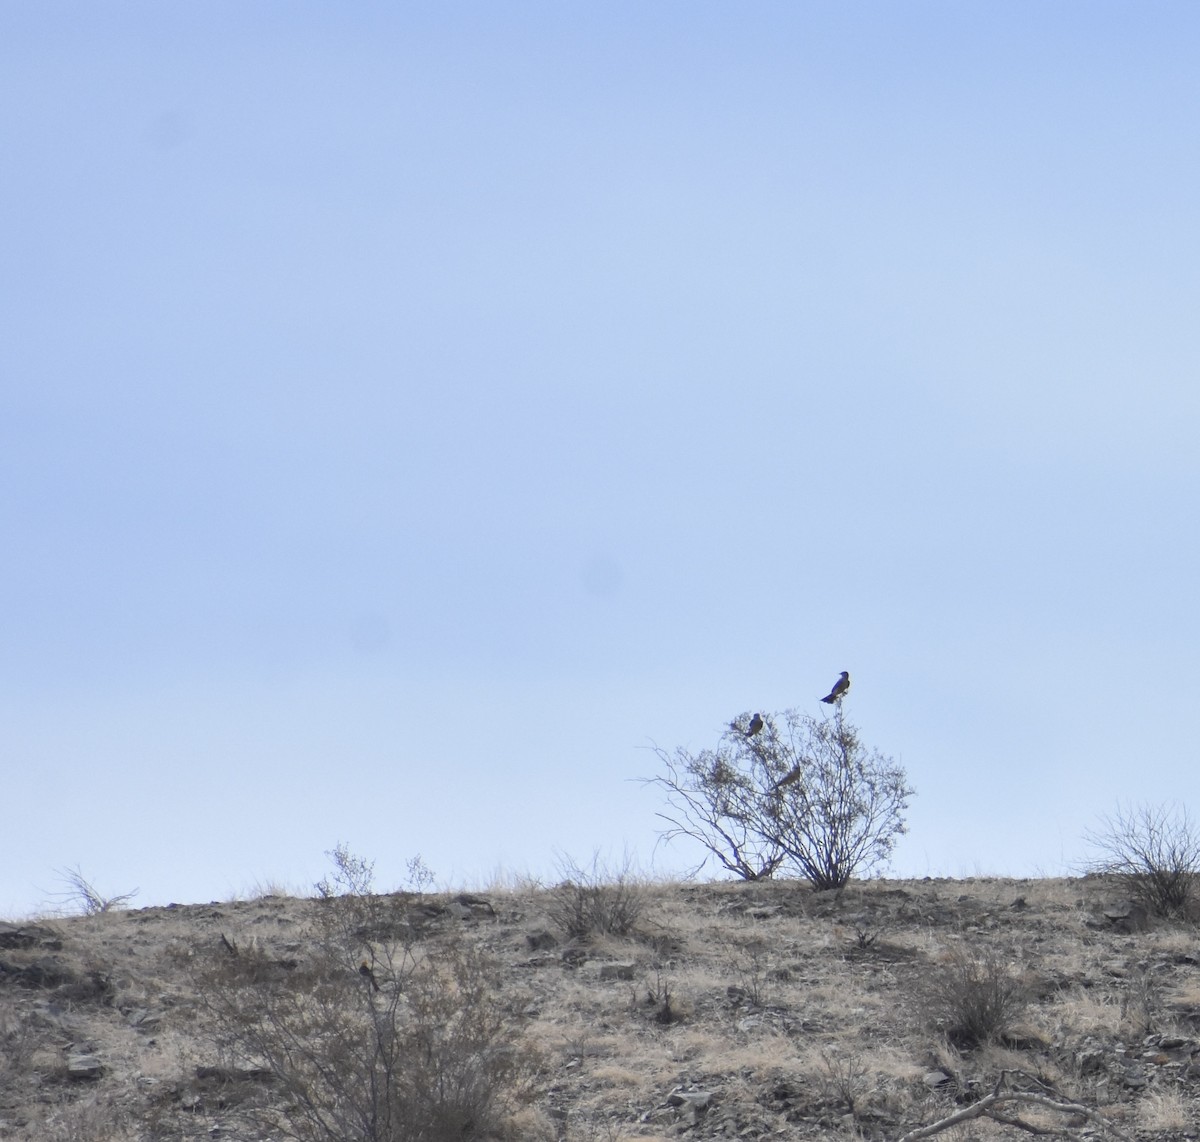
(993, 1106)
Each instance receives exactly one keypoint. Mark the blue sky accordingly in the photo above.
(410, 413)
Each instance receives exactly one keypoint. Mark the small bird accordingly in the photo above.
(839, 688)
(364, 969)
(756, 724)
(791, 777)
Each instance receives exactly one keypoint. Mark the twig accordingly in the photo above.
(989, 1107)
(1028, 1127)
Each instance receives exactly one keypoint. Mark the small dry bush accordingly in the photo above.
(369, 1037)
(973, 997)
(596, 901)
(1155, 851)
(83, 896)
(845, 1080)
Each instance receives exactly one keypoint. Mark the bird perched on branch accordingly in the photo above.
(756, 724)
(791, 777)
(839, 689)
(364, 969)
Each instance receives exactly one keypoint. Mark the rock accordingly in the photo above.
(1135, 1078)
(1127, 916)
(696, 1098)
(479, 907)
(616, 971)
(935, 1079)
(84, 1068)
(1089, 1062)
(540, 941)
(692, 1104)
(44, 973)
(143, 1019)
(28, 936)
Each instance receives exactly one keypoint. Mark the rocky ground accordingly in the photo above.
(729, 1010)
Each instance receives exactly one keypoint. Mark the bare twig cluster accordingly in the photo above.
(80, 894)
(1155, 849)
(596, 900)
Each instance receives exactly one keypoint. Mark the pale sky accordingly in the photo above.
(409, 413)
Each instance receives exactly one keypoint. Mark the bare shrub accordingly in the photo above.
(662, 1001)
(710, 797)
(973, 997)
(369, 1037)
(845, 1080)
(801, 795)
(82, 896)
(352, 875)
(419, 875)
(751, 961)
(1155, 850)
(866, 935)
(596, 900)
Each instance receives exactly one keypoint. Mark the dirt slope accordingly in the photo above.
(729, 1010)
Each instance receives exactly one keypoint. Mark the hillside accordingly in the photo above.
(727, 1010)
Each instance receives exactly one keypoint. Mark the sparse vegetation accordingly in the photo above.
(750, 1013)
(596, 900)
(1155, 851)
(80, 895)
(973, 997)
(1142, 1002)
(367, 1037)
(845, 1079)
(750, 960)
(998, 1105)
(801, 795)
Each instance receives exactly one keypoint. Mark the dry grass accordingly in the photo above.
(795, 1024)
(1163, 1110)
